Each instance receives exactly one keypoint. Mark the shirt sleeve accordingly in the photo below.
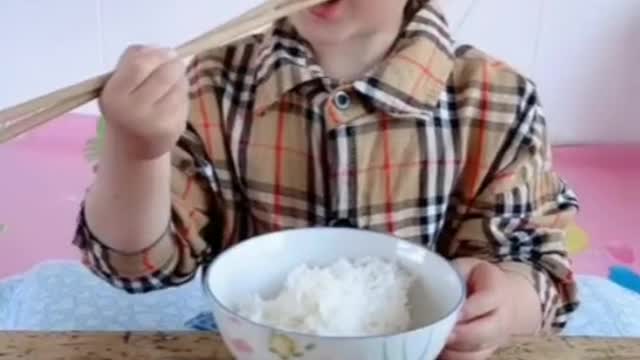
(519, 215)
(198, 229)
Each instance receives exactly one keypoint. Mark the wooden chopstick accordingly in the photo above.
(9, 116)
(26, 116)
(41, 102)
(98, 82)
(34, 120)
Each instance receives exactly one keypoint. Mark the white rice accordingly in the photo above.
(362, 297)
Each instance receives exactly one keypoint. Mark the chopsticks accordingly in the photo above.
(24, 117)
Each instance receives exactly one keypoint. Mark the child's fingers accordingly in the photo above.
(484, 282)
(173, 104)
(480, 304)
(175, 95)
(136, 65)
(477, 335)
(163, 79)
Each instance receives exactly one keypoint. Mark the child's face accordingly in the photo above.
(341, 21)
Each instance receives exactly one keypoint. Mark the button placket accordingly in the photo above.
(341, 107)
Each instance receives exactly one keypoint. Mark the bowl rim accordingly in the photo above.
(207, 271)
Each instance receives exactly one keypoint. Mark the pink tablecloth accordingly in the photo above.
(43, 178)
(607, 180)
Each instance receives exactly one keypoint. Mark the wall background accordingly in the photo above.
(584, 54)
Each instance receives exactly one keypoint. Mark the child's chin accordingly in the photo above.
(319, 35)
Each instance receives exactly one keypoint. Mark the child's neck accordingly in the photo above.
(350, 60)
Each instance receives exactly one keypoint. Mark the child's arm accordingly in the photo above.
(517, 220)
(145, 105)
(143, 219)
(128, 206)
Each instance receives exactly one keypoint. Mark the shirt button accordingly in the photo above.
(342, 100)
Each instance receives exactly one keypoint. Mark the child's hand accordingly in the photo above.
(485, 323)
(145, 103)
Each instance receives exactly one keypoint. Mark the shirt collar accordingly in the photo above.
(409, 82)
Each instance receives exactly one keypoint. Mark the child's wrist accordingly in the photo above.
(123, 148)
(118, 168)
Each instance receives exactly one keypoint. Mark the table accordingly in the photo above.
(201, 346)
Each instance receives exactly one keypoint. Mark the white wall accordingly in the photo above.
(582, 53)
(53, 43)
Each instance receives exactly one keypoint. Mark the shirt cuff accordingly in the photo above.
(124, 268)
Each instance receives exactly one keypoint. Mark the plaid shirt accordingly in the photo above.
(443, 147)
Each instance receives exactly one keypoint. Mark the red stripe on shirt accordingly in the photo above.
(423, 77)
(333, 115)
(426, 70)
(148, 265)
(289, 150)
(402, 165)
(387, 174)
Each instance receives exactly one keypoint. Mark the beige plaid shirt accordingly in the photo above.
(445, 147)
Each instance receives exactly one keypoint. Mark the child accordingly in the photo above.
(354, 113)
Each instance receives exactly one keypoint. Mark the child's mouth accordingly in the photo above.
(327, 11)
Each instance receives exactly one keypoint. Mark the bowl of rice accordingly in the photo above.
(333, 294)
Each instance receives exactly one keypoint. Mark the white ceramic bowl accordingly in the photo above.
(261, 265)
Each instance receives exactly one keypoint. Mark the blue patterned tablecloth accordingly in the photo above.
(64, 296)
